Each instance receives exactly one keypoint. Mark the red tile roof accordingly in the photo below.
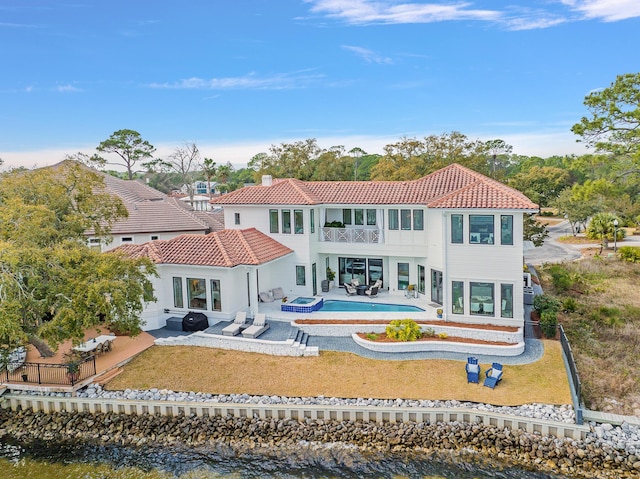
(454, 186)
(227, 248)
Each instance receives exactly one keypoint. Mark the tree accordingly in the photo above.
(577, 211)
(614, 125)
(52, 285)
(601, 227)
(209, 170)
(498, 152)
(356, 153)
(184, 162)
(223, 174)
(541, 184)
(533, 230)
(129, 146)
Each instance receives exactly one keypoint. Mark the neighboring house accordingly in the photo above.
(212, 273)
(152, 216)
(199, 202)
(455, 237)
(201, 188)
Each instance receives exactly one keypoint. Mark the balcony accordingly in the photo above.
(351, 235)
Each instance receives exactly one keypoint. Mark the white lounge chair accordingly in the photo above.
(351, 290)
(266, 297)
(238, 324)
(258, 327)
(277, 293)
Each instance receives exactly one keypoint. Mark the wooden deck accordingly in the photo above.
(124, 349)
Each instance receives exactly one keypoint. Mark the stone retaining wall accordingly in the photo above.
(449, 346)
(238, 343)
(247, 431)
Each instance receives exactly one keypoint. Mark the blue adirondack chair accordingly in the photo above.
(494, 375)
(473, 370)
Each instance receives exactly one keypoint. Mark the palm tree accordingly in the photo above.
(209, 169)
(601, 227)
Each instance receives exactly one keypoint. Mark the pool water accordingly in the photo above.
(302, 300)
(350, 306)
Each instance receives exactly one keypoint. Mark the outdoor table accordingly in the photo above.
(92, 344)
(361, 289)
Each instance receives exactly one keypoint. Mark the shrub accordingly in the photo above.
(549, 323)
(429, 332)
(630, 254)
(443, 335)
(570, 305)
(561, 278)
(544, 302)
(404, 330)
(372, 336)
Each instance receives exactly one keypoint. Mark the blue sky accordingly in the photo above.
(237, 76)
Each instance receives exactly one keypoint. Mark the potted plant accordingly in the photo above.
(331, 276)
(73, 367)
(439, 313)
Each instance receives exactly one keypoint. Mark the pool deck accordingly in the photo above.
(281, 328)
(272, 310)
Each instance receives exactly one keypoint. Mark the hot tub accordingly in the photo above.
(303, 304)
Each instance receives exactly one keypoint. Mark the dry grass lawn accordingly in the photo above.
(334, 374)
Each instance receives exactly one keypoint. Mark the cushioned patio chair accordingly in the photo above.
(238, 324)
(355, 282)
(277, 293)
(351, 290)
(258, 327)
(372, 292)
(494, 375)
(266, 297)
(473, 370)
(377, 284)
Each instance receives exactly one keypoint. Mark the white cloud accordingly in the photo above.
(250, 81)
(67, 88)
(364, 11)
(368, 56)
(607, 10)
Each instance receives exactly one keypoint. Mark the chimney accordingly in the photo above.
(266, 180)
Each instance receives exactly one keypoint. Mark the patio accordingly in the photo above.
(122, 351)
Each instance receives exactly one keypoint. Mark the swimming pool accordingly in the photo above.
(351, 306)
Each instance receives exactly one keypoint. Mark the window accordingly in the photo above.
(418, 220)
(482, 299)
(346, 216)
(405, 219)
(481, 229)
(421, 279)
(312, 220)
(197, 293)
(154, 237)
(506, 229)
(126, 239)
(301, 279)
(393, 219)
(298, 222)
(457, 297)
(403, 276)
(237, 218)
(371, 217)
(273, 221)
(216, 297)
(178, 301)
(94, 243)
(286, 221)
(456, 229)
(359, 217)
(506, 295)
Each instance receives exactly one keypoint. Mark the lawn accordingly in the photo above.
(334, 374)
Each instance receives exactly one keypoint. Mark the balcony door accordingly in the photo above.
(436, 286)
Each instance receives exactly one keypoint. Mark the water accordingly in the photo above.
(350, 306)
(302, 300)
(65, 461)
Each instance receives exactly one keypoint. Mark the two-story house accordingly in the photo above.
(455, 237)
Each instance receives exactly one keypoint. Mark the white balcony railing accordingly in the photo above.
(351, 235)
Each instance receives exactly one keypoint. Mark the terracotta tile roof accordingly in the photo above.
(227, 248)
(454, 186)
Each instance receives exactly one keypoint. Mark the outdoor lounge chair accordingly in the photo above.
(266, 297)
(473, 370)
(377, 284)
(258, 327)
(494, 375)
(372, 292)
(277, 293)
(238, 324)
(351, 290)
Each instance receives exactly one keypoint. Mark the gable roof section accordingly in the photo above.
(227, 248)
(454, 186)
